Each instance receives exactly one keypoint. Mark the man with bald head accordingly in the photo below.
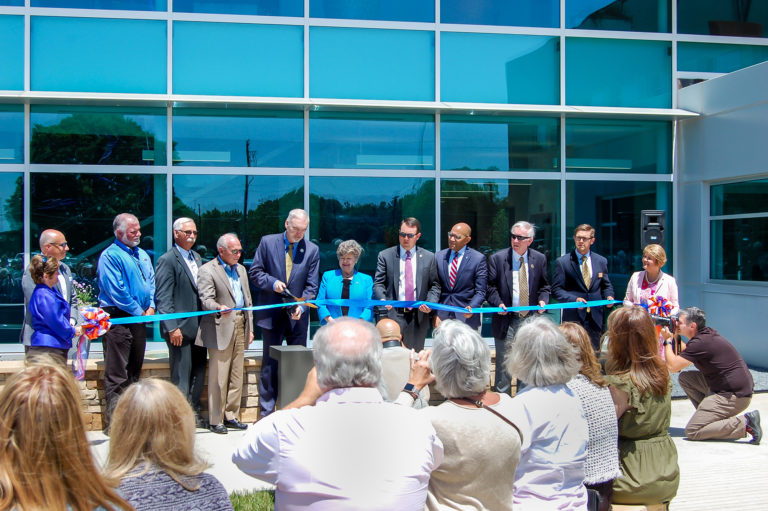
(126, 288)
(52, 244)
(463, 275)
(396, 364)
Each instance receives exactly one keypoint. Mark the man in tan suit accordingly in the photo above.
(396, 363)
(223, 284)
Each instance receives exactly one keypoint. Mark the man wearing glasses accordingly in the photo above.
(463, 276)
(517, 276)
(582, 276)
(176, 283)
(408, 272)
(223, 285)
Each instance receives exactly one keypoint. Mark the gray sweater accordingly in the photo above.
(157, 491)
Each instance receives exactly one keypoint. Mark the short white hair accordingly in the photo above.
(540, 355)
(460, 360)
(118, 224)
(179, 222)
(526, 226)
(296, 214)
(224, 240)
(347, 353)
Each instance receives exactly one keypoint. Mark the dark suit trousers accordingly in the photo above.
(503, 383)
(187, 364)
(593, 329)
(124, 347)
(294, 334)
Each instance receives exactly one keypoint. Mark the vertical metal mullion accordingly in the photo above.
(438, 185)
(27, 210)
(563, 205)
(306, 169)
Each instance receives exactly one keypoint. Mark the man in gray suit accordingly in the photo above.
(223, 285)
(52, 244)
(408, 272)
(176, 291)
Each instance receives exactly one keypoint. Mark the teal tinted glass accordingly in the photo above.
(98, 55)
(231, 138)
(626, 146)
(11, 134)
(743, 18)
(371, 141)
(19, 3)
(634, 15)
(12, 52)
(499, 68)
(237, 59)
(368, 210)
(499, 143)
(718, 58)
(130, 5)
(249, 7)
(598, 71)
(11, 249)
(98, 135)
(385, 10)
(360, 63)
(521, 13)
(739, 198)
(738, 249)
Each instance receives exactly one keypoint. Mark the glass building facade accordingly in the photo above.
(559, 112)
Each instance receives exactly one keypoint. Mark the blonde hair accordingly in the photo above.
(153, 424)
(655, 252)
(590, 367)
(39, 266)
(45, 458)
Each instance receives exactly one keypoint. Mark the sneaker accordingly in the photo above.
(753, 426)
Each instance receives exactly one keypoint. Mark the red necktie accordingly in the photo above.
(409, 294)
(454, 269)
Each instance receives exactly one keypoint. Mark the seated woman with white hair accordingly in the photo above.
(550, 474)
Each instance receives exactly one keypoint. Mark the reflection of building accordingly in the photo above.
(501, 112)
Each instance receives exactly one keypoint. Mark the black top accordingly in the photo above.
(720, 363)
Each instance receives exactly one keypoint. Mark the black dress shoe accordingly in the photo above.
(235, 424)
(219, 428)
(201, 423)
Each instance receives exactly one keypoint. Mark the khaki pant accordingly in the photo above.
(225, 376)
(717, 416)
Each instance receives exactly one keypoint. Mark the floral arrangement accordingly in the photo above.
(85, 294)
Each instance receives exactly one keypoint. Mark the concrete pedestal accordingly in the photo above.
(293, 364)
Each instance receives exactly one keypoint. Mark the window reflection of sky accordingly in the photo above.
(226, 192)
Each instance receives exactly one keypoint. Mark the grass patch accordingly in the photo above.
(253, 500)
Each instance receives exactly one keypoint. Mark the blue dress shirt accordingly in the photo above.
(126, 279)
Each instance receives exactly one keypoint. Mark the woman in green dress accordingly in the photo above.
(641, 388)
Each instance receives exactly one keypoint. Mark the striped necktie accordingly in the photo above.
(454, 269)
(522, 277)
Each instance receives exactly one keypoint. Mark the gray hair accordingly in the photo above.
(47, 236)
(540, 355)
(179, 222)
(460, 360)
(526, 226)
(695, 315)
(296, 214)
(347, 353)
(349, 247)
(224, 239)
(118, 224)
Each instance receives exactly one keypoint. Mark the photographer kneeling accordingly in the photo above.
(721, 388)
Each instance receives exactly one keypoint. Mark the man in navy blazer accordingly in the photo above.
(463, 275)
(284, 261)
(506, 268)
(581, 276)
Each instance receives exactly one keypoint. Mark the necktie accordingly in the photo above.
(523, 283)
(454, 269)
(585, 272)
(288, 262)
(193, 266)
(409, 294)
(345, 295)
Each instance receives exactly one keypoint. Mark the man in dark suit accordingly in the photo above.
(176, 291)
(52, 244)
(283, 262)
(223, 285)
(463, 276)
(408, 272)
(517, 276)
(582, 276)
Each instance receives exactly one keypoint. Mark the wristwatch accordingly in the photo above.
(410, 388)
(667, 343)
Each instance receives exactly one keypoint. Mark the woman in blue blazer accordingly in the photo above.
(332, 285)
(53, 331)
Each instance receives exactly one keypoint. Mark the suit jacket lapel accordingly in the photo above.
(222, 276)
(509, 274)
(185, 266)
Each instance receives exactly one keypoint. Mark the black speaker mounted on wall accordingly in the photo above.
(652, 226)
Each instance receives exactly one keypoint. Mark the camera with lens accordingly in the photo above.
(665, 321)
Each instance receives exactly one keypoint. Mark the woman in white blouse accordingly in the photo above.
(651, 282)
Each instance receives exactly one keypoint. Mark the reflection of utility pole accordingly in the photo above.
(250, 158)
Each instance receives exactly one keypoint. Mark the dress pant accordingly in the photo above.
(225, 376)
(593, 330)
(124, 347)
(413, 325)
(187, 363)
(717, 416)
(503, 383)
(295, 334)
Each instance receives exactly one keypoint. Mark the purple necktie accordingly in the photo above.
(409, 295)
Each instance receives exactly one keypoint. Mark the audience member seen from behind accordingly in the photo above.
(49, 312)
(45, 458)
(152, 451)
(555, 433)
(481, 443)
(641, 388)
(602, 465)
(345, 283)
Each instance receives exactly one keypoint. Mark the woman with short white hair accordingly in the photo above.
(345, 283)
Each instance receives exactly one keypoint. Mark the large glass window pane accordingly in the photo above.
(12, 2)
(718, 58)
(98, 135)
(232, 138)
(250, 7)
(613, 209)
(739, 198)
(221, 59)
(11, 255)
(604, 72)
(718, 17)
(499, 68)
(499, 143)
(738, 249)
(98, 55)
(361, 63)
(131, 5)
(11, 134)
(627, 146)
(371, 141)
(12, 52)
(634, 15)
(522, 13)
(386, 10)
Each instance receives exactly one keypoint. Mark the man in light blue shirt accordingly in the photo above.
(126, 288)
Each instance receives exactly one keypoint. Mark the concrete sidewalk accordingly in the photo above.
(714, 475)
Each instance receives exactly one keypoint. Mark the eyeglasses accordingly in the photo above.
(188, 233)
(582, 238)
(520, 238)
(409, 235)
(455, 236)
(237, 251)
(62, 245)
